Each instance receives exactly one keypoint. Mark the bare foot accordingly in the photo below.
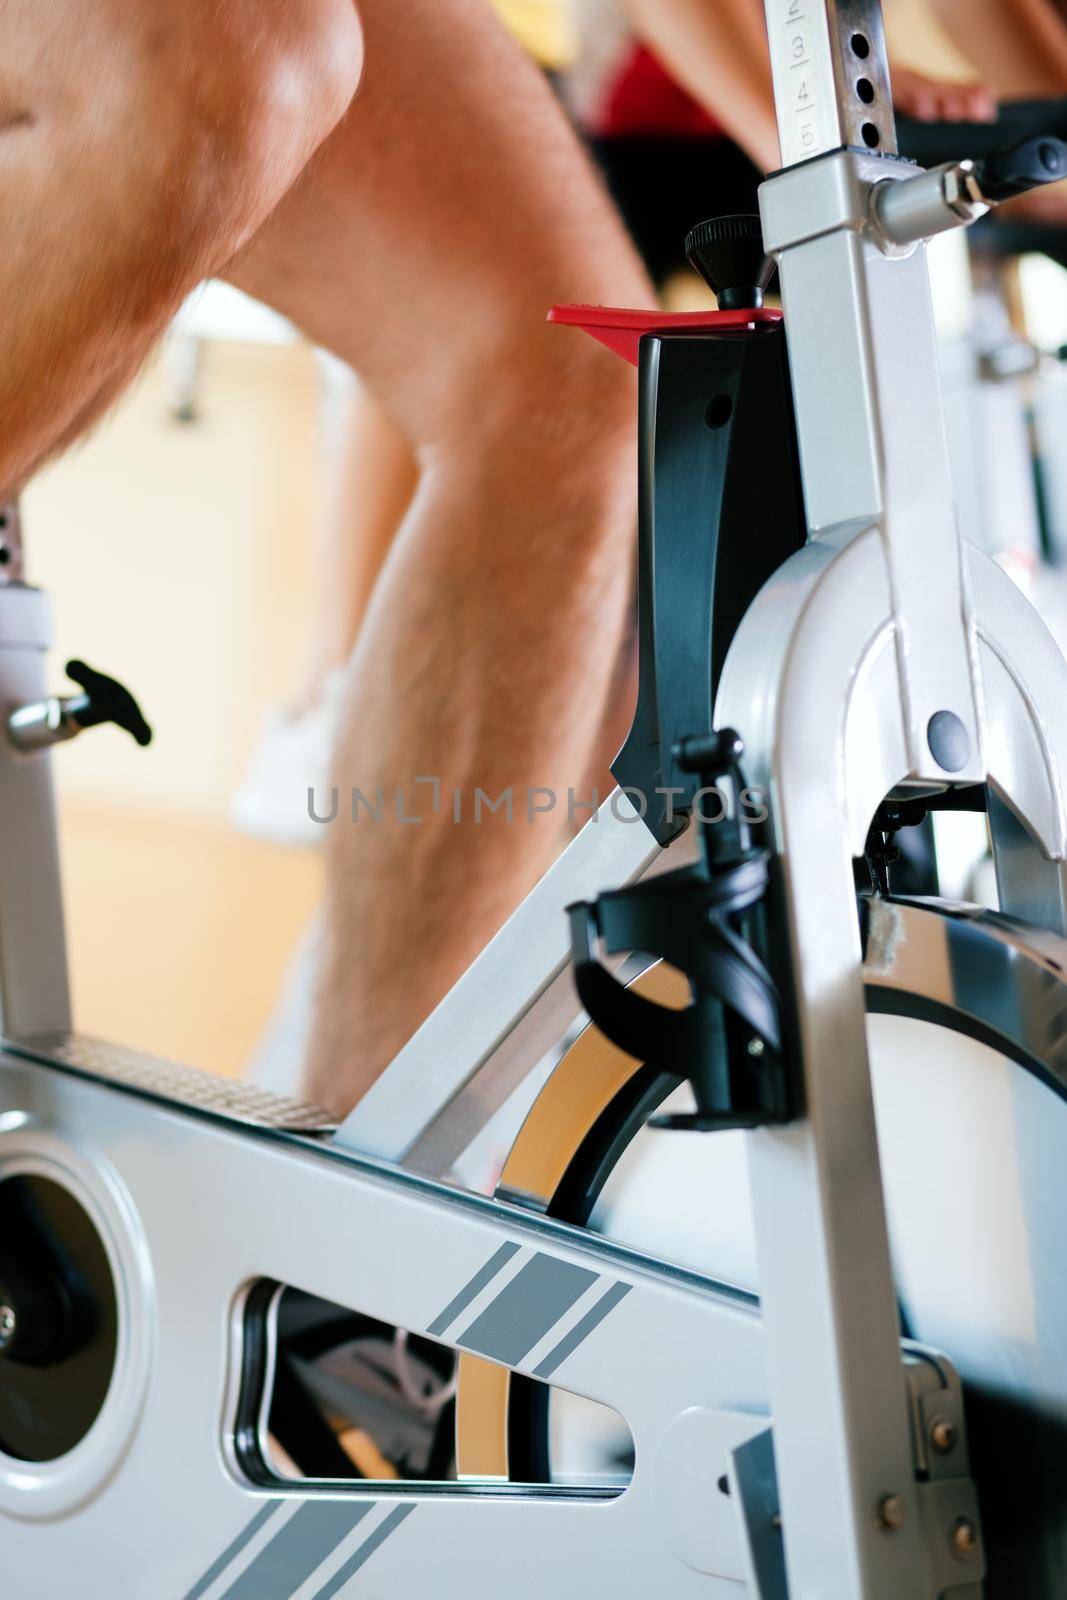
(927, 100)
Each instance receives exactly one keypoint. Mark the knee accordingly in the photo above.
(294, 88)
(538, 391)
(259, 87)
(210, 112)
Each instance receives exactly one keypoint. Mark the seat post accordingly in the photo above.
(34, 986)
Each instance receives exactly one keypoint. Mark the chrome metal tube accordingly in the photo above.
(831, 77)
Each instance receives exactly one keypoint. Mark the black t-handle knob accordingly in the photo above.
(105, 700)
(728, 253)
(1024, 166)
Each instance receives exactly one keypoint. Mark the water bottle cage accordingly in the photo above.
(728, 1040)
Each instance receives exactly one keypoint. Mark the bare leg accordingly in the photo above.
(1019, 46)
(375, 480)
(424, 246)
(141, 142)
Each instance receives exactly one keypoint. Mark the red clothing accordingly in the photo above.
(640, 98)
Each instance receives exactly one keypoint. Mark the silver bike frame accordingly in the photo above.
(855, 651)
(34, 985)
(883, 624)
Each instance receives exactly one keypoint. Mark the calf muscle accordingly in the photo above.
(425, 246)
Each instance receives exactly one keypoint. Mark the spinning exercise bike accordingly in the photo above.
(839, 1368)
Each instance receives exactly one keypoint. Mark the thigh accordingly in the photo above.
(140, 142)
(443, 218)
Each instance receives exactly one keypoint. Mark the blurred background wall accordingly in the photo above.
(177, 555)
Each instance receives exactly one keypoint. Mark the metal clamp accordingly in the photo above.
(41, 723)
(905, 211)
(948, 1501)
(959, 192)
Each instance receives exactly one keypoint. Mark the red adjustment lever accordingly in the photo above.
(622, 331)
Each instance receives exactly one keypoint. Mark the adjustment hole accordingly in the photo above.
(719, 411)
(5, 555)
(3, 519)
(871, 136)
(865, 90)
(861, 45)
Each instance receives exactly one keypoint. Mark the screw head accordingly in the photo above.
(755, 1046)
(964, 1537)
(8, 1326)
(943, 1435)
(891, 1513)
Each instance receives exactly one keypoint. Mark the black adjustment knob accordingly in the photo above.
(105, 700)
(1024, 166)
(728, 253)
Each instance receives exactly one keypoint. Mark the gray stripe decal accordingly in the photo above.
(302, 1545)
(387, 1526)
(233, 1550)
(526, 1308)
(582, 1329)
(463, 1299)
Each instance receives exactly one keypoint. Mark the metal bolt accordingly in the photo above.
(964, 1537)
(8, 1325)
(891, 1512)
(755, 1047)
(943, 1435)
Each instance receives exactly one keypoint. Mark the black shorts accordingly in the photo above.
(665, 186)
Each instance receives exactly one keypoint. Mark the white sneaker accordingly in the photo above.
(292, 757)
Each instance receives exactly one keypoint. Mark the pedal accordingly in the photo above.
(705, 920)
